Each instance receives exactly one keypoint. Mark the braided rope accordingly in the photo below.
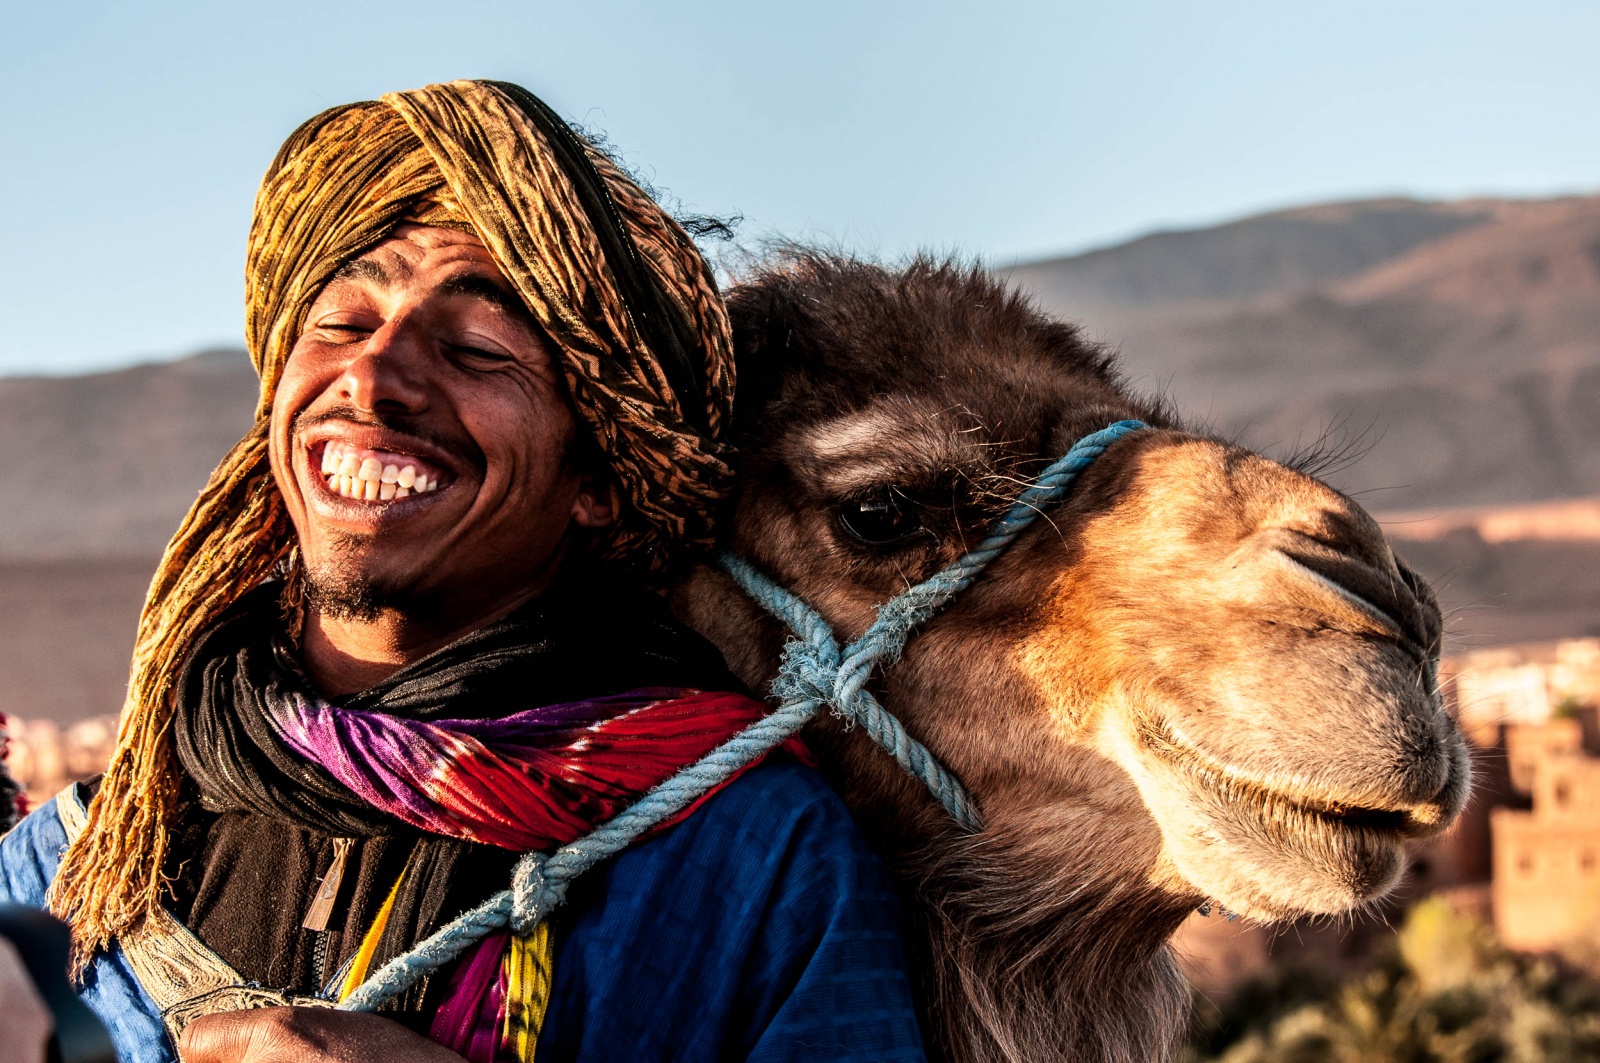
(815, 673)
(539, 882)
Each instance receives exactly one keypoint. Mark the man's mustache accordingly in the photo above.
(459, 447)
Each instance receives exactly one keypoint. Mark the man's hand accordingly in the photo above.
(296, 1035)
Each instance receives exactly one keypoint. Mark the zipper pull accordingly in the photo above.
(321, 909)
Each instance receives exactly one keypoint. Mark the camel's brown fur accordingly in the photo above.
(1203, 675)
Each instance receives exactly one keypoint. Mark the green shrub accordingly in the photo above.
(1443, 992)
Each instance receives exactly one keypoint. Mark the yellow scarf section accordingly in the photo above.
(527, 969)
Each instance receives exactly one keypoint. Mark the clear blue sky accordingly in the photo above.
(132, 136)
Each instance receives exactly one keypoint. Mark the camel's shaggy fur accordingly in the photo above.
(1203, 675)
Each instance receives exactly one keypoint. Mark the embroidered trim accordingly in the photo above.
(184, 977)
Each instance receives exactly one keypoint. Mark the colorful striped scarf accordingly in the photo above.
(524, 735)
(531, 780)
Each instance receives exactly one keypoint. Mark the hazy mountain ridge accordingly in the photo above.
(106, 464)
(1469, 359)
(1275, 252)
(1464, 337)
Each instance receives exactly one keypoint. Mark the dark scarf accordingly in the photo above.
(583, 639)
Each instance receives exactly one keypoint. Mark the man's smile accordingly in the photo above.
(375, 475)
(352, 468)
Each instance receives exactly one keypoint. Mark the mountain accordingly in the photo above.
(1457, 344)
(1281, 251)
(106, 464)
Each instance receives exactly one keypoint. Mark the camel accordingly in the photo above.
(1204, 677)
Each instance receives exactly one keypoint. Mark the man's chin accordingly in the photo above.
(350, 593)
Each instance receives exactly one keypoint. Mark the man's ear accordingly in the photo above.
(596, 504)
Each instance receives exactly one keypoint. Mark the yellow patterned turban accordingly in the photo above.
(617, 286)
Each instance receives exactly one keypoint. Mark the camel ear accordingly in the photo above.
(771, 333)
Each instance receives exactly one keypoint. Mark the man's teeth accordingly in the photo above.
(369, 479)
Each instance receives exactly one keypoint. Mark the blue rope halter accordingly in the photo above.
(816, 672)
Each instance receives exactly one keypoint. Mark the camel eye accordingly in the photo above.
(879, 520)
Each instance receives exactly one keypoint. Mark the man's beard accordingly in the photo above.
(340, 589)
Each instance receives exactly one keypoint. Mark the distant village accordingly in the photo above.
(1528, 853)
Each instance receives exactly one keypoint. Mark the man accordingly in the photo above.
(401, 638)
(12, 802)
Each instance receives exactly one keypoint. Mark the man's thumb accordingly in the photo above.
(221, 1038)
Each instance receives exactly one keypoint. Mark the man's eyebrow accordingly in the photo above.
(477, 286)
(369, 269)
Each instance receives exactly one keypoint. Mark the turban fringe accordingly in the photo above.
(620, 290)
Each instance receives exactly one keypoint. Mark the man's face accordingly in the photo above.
(420, 436)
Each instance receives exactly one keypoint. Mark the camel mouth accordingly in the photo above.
(1294, 812)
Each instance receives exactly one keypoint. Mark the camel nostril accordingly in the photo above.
(1430, 621)
(1384, 594)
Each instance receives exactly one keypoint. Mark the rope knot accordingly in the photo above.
(534, 894)
(807, 671)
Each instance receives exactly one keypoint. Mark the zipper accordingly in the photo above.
(319, 953)
(322, 903)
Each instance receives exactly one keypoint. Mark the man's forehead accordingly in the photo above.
(462, 266)
(396, 256)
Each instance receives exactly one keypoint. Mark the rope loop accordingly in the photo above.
(534, 894)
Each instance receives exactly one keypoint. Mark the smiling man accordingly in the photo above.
(405, 635)
(425, 447)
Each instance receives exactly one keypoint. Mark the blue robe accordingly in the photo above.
(761, 928)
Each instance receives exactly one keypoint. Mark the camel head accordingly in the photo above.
(1203, 675)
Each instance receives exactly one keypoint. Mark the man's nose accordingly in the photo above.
(390, 372)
